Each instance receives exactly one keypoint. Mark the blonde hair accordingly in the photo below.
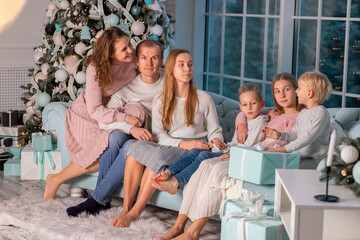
(250, 88)
(291, 79)
(102, 56)
(318, 83)
(168, 93)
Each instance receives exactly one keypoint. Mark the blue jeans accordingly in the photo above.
(112, 166)
(185, 166)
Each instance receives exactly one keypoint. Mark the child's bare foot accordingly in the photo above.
(125, 220)
(163, 176)
(173, 232)
(171, 186)
(51, 187)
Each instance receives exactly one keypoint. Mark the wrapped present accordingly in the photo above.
(36, 165)
(15, 131)
(41, 141)
(12, 141)
(243, 220)
(12, 167)
(258, 167)
(9, 118)
(16, 151)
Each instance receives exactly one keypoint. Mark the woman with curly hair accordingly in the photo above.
(109, 68)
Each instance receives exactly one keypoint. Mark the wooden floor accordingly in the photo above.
(11, 187)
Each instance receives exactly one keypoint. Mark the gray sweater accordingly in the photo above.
(311, 133)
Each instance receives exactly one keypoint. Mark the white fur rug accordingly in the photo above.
(48, 220)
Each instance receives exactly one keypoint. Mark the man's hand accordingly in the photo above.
(188, 145)
(141, 133)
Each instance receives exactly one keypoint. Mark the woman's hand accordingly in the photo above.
(271, 133)
(133, 120)
(141, 133)
(278, 149)
(241, 132)
(218, 143)
(225, 157)
(188, 145)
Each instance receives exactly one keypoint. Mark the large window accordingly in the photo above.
(251, 41)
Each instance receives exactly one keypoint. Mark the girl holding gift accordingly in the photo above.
(110, 67)
(173, 131)
(210, 184)
(179, 173)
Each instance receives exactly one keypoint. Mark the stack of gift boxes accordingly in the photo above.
(249, 217)
(33, 161)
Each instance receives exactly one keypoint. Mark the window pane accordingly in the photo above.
(212, 84)
(274, 7)
(256, 7)
(234, 6)
(305, 46)
(352, 102)
(254, 48)
(269, 101)
(334, 101)
(230, 88)
(214, 6)
(307, 7)
(332, 52)
(272, 50)
(233, 39)
(334, 8)
(353, 80)
(213, 49)
(355, 8)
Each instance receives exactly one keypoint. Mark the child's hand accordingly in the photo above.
(218, 143)
(133, 120)
(225, 157)
(141, 133)
(278, 149)
(188, 145)
(271, 133)
(241, 132)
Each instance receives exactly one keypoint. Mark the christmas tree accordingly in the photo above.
(68, 36)
(345, 168)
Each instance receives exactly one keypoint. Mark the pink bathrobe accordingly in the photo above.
(85, 141)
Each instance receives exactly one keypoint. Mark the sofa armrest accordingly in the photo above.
(53, 117)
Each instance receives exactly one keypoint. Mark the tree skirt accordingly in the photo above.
(48, 220)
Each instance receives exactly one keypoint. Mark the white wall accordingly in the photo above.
(18, 38)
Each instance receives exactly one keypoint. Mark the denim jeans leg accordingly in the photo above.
(184, 161)
(116, 141)
(114, 177)
(184, 176)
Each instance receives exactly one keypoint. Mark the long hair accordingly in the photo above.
(102, 56)
(291, 79)
(168, 94)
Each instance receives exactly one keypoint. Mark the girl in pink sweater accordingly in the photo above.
(110, 67)
(201, 199)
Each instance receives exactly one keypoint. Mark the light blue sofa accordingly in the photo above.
(54, 120)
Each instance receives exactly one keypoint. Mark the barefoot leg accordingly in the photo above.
(132, 177)
(177, 229)
(53, 181)
(145, 193)
(193, 232)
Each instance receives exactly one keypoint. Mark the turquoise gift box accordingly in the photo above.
(258, 167)
(16, 151)
(237, 227)
(12, 167)
(41, 142)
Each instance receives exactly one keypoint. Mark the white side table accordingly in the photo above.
(305, 217)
